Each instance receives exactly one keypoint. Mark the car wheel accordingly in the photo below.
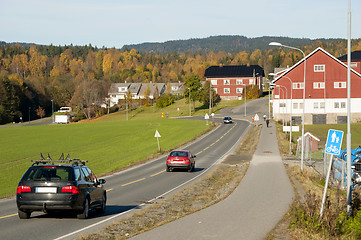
(24, 214)
(169, 169)
(103, 205)
(85, 213)
(190, 169)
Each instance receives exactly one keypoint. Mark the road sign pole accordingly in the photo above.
(326, 185)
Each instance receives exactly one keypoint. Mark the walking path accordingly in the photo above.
(250, 212)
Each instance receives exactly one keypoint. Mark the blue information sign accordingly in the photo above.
(334, 141)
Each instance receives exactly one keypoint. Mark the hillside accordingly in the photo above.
(229, 44)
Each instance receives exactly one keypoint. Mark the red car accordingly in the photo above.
(181, 159)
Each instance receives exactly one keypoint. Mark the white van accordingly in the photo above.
(65, 109)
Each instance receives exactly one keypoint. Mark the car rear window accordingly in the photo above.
(179, 154)
(49, 173)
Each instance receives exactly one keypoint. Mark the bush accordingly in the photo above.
(165, 100)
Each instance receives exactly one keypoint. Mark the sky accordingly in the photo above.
(115, 23)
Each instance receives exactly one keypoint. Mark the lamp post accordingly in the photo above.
(245, 99)
(52, 111)
(279, 104)
(272, 74)
(210, 97)
(190, 108)
(303, 100)
(348, 136)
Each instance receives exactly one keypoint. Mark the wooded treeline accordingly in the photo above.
(31, 76)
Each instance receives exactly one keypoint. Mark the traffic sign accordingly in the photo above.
(334, 141)
(206, 117)
(256, 117)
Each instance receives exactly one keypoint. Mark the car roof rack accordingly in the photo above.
(67, 160)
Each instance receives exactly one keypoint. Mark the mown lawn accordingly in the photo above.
(107, 145)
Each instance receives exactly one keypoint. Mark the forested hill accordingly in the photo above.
(229, 44)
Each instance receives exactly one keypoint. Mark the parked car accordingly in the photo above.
(68, 184)
(227, 120)
(180, 159)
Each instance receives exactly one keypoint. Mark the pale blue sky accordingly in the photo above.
(114, 23)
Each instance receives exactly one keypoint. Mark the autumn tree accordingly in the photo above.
(193, 86)
(40, 112)
(86, 97)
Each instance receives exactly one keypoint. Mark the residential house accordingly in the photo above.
(155, 90)
(325, 91)
(176, 88)
(119, 91)
(229, 81)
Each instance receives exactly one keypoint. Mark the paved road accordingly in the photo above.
(251, 211)
(126, 190)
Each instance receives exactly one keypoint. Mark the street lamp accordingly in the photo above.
(304, 94)
(273, 74)
(190, 108)
(279, 104)
(52, 110)
(245, 99)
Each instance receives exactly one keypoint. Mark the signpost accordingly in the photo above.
(333, 146)
(206, 117)
(157, 135)
(256, 119)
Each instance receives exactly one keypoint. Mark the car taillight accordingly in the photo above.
(187, 161)
(22, 189)
(71, 189)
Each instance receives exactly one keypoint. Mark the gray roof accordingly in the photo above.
(114, 87)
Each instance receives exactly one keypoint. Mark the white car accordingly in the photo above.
(227, 120)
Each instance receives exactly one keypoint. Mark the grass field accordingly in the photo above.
(321, 132)
(108, 143)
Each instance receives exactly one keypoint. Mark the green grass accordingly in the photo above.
(321, 132)
(108, 143)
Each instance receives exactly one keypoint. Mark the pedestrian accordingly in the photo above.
(264, 117)
(267, 122)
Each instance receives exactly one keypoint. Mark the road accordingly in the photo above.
(126, 190)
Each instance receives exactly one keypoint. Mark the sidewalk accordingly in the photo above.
(250, 212)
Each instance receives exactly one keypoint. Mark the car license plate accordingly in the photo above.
(45, 190)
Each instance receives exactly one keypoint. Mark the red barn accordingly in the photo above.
(229, 81)
(325, 91)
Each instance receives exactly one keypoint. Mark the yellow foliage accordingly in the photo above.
(16, 78)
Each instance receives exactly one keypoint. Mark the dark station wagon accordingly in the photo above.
(64, 184)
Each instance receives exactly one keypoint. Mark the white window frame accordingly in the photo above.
(336, 105)
(319, 67)
(339, 84)
(315, 105)
(226, 82)
(239, 90)
(322, 105)
(239, 81)
(319, 85)
(353, 64)
(252, 81)
(214, 82)
(342, 104)
(226, 90)
(298, 85)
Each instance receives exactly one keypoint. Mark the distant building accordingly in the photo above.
(119, 91)
(229, 81)
(355, 60)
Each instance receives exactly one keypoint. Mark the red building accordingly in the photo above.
(325, 91)
(230, 81)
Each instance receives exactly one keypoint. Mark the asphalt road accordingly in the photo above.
(126, 190)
